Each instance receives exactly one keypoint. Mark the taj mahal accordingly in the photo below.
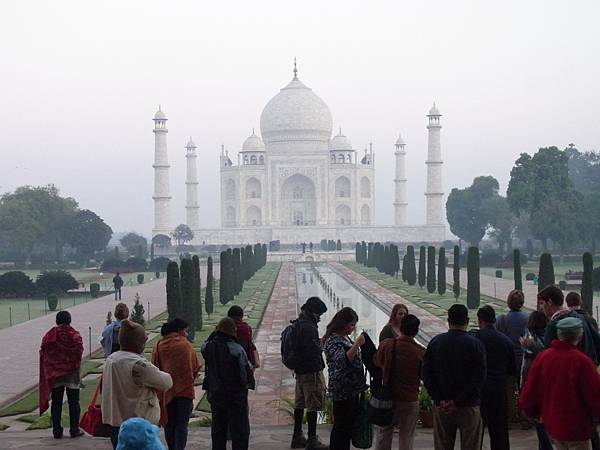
(295, 182)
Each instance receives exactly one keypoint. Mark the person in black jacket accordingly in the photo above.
(500, 363)
(310, 382)
(454, 372)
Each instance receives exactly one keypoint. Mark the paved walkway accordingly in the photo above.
(431, 325)
(261, 438)
(19, 352)
(273, 380)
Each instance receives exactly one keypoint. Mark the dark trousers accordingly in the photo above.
(544, 440)
(233, 418)
(493, 414)
(114, 436)
(345, 413)
(176, 430)
(56, 409)
(117, 293)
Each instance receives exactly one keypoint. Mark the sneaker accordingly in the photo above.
(298, 441)
(313, 443)
(57, 434)
(76, 434)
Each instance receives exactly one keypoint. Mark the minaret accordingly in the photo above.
(191, 187)
(162, 199)
(434, 193)
(400, 201)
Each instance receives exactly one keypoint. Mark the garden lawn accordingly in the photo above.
(434, 303)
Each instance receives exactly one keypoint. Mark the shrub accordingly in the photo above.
(17, 284)
(159, 264)
(546, 272)
(529, 276)
(490, 259)
(135, 264)
(52, 302)
(55, 281)
(110, 264)
(94, 290)
(140, 278)
(473, 292)
(498, 274)
(587, 289)
(456, 272)
(137, 315)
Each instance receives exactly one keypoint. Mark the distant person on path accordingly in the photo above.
(533, 344)
(392, 329)
(563, 388)
(244, 334)
(551, 300)
(60, 362)
(228, 376)
(346, 375)
(404, 381)
(575, 303)
(118, 284)
(310, 382)
(454, 371)
(139, 434)
(514, 325)
(500, 364)
(175, 355)
(110, 334)
(130, 382)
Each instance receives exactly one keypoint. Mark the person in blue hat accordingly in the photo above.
(139, 434)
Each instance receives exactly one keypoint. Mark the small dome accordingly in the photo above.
(434, 111)
(190, 144)
(160, 115)
(340, 142)
(400, 141)
(253, 144)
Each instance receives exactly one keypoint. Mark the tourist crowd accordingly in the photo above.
(516, 369)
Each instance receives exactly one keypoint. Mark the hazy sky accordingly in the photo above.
(81, 81)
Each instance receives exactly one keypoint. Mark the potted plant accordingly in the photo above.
(425, 408)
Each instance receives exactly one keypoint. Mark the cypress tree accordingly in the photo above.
(173, 290)
(456, 272)
(404, 267)
(385, 262)
(370, 254)
(264, 254)
(422, 266)
(517, 269)
(249, 262)
(473, 293)
(256, 259)
(546, 271)
(198, 320)
(338, 245)
(238, 279)
(224, 281)
(357, 252)
(431, 269)
(152, 252)
(209, 302)
(230, 289)
(411, 268)
(441, 281)
(187, 292)
(587, 289)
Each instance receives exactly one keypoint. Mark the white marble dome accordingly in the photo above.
(296, 113)
(160, 115)
(434, 111)
(340, 142)
(253, 144)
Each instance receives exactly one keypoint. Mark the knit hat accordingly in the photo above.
(569, 324)
(139, 434)
(132, 336)
(227, 325)
(315, 305)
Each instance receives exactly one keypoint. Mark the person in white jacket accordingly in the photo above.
(129, 382)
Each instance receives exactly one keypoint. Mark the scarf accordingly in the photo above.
(60, 354)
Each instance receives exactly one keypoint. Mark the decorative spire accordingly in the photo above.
(340, 131)
(253, 131)
(295, 69)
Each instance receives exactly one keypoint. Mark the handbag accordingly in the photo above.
(91, 422)
(380, 409)
(362, 432)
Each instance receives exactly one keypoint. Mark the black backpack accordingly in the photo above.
(289, 349)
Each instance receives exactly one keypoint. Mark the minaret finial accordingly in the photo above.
(252, 131)
(340, 130)
(295, 69)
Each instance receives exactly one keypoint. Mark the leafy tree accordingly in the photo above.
(188, 280)
(501, 221)
(442, 271)
(456, 272)
(173, 290)
(55, 281)
(431, 284)
(159, 264)
(16, 284)
(88, 233)
(546, 271)
(422, 266)
(137, 315)
(161, 240)
(197, 304)
(133, 242)
(517, 269)
(182, 234)
(587, 289)
(411, 269)
(208, 297)
(473, 292)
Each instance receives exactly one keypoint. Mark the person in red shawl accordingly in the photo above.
(563, 388)
(244, 334)
(60, 360)
(175, 355)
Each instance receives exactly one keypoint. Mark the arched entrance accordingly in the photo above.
(298, 201)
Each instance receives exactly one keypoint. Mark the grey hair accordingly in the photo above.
(570, 336)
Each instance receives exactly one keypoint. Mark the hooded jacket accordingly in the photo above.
(308, 344)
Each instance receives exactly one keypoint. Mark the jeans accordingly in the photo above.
(344, 417)
(176, 430)
(56, 409)
(233, 418)
(117, 293)
(493, 413)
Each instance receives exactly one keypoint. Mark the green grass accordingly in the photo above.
(3, 426)
(434, 303)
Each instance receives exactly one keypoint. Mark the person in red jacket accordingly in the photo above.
(563, 388)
